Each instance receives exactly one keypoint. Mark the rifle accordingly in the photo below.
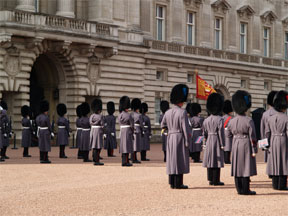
(52, 128)
(9, 129)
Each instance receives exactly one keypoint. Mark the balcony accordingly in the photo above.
(212, 53)
(57, 24)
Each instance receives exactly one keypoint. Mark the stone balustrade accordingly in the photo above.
(50, 22)
(218, 54)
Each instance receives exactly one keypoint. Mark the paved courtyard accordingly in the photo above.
(70, 187)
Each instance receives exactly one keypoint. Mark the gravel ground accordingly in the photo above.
(70, 187)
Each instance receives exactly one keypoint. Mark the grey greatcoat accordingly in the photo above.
(110, 142)
(138, 131)
(44, 132)
(63, 131)
(126, 132)
(147, 133)
(1, 131)
(196, 123)
(26, 133)
(5, 125)
(78, 132)
(228, 139)
(96, 135)
(85, 134)
(213, 132)
(277, 132)
(178, 141)
(264, 122)
(242, 129)
(164, 135)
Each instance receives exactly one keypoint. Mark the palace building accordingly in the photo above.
(71, 51)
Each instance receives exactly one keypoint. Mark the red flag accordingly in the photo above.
(203, 89)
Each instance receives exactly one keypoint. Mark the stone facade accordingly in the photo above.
(75, 50)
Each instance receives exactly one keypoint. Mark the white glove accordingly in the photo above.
(105, 136)
(113, 134)
(150, 137)
(222, 147)
(52, 135)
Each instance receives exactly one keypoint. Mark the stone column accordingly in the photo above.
(100, 10)
(134, 13)
(26, 5)
(66, 8)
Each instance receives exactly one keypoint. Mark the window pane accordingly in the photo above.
(190, 18)
(160, 36)
(190, 35)
(286, 51)
(217, 39)
(265, 47)
(217, 24)
(286, 37)
(266, 33)
(242, 28)
(242, 44)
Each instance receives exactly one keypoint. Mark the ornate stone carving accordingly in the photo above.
(93, 68)
(246, 10)
(12, 64)
(268, 17)
(197, 3)
(221, 5)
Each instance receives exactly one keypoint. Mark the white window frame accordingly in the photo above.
(266, 42)
(243, 38)
(286, 45)
(157, 110)
(159, 20)
(191, 29)
(218, 44)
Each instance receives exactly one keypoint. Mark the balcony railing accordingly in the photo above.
(51, 22)
(219, 54)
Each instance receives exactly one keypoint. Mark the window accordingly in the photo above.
(157, 109)
(266, 41)
(286, 87)
(243, 38)
(159, 75)
(267, 85)
(160, 22)
(286, 45)
(37, 6)
(244, 83)
(190, 77)
(218, 33)
(191, 28)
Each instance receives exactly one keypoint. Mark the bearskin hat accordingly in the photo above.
(241, 102)
(44, 106)
(144, 108)
(179, 94)
(227, 108)
(110, 107)
(215, 103)
(124, 103)
(270, 98)
(61, 109)
(164, 106)
(3, 104)
(85, 108)
(281, 101)
(25, 110)
(196, 109)
(135, 104)
(96, 105)
(79, 111)
(189, 109)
